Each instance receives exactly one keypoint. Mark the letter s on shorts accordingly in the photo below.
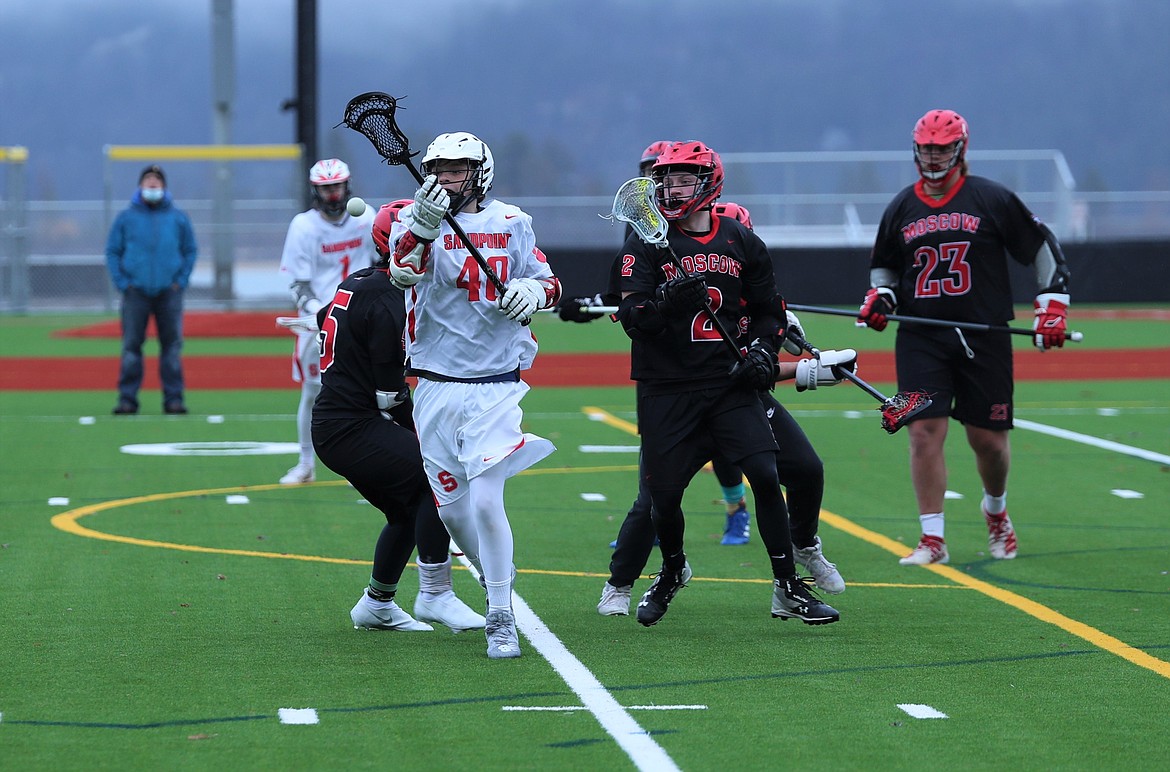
(448, 481)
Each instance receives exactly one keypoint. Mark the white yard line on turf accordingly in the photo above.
(1096, 442)
(614, 719)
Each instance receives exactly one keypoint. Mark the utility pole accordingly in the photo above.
(305, 101)
(224, 86)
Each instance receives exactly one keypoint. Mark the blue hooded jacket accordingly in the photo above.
(151, 248)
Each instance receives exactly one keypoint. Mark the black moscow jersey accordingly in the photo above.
(950, 254)
(361, 342)
(689, 353)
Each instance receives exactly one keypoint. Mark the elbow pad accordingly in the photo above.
(641, 319)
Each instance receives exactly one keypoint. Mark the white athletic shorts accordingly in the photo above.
(467, 428)
(306, 361)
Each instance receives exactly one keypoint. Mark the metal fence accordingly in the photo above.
(51, 252)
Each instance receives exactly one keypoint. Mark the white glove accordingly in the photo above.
(811, 373)
(521, 299)
(426, 213)
(791, 346)
(409, 261)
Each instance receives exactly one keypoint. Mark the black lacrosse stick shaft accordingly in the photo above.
(926, 321)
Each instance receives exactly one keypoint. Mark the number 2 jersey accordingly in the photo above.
(950, 254)
(453, 322)
(741, 283)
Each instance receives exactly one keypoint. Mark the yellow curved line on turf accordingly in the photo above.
(68, 521)
(1030, 607)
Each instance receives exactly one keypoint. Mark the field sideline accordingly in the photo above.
(173, 606)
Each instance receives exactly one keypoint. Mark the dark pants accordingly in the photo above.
(167, 310)
(382, 461)
(800, 470)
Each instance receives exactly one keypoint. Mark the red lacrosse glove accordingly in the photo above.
(878, 302)
(1050, 325)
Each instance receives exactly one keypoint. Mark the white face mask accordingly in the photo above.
(152, 195)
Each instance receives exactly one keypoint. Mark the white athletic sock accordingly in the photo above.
(994, 505)
(499, 596)
(434, 578)
(932, 524)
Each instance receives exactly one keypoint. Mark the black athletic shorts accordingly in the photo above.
(380, 459)
(967, 374)
(680, 432)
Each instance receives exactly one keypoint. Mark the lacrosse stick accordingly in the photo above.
(307, 323)
(1072, 335)
(896, 410)
(634, 204)
(372, 115)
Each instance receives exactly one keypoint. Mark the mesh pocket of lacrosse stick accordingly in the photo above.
(634, 204)
(901, 407)
(372, 115)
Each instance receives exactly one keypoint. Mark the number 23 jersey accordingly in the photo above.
(950, 254)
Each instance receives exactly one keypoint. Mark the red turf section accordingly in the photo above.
(198, 324)
(274, 372)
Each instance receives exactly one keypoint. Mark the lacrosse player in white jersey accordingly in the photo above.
(467, 343)
(323, 246)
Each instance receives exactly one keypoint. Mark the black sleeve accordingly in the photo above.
(635, 273)
(764, 303)
(384, 331)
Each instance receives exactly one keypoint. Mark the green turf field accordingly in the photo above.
(152, 623)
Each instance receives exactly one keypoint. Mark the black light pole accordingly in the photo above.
(305, 102)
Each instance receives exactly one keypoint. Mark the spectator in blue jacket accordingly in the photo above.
(150, 254)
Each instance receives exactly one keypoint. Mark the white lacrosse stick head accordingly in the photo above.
(635, 204)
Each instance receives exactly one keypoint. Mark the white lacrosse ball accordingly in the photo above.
(355, 206)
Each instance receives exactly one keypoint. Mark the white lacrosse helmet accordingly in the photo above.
(462, 145)
(330, 171)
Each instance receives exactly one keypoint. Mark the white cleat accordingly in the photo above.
(299, 475)
(370, 614)
(1001, 536)
(446, 609)
(824, 573)
(930, 549)
(502, 640)
(615, 601)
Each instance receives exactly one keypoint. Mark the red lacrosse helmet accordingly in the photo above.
(689, 157)
(728, 209)
(943, 128)
(650, 155)
(383, 221)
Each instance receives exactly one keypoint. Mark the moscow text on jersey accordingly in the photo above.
(690, 352)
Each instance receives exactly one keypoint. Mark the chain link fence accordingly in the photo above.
(52, 252)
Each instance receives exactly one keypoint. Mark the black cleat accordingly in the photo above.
(794, 599)
(666, 585)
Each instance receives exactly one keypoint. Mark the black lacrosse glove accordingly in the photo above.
(682, 296)
(571, 309)
(759, 368)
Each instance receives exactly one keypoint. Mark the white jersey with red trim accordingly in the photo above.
(454, 326)
(324, 253)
